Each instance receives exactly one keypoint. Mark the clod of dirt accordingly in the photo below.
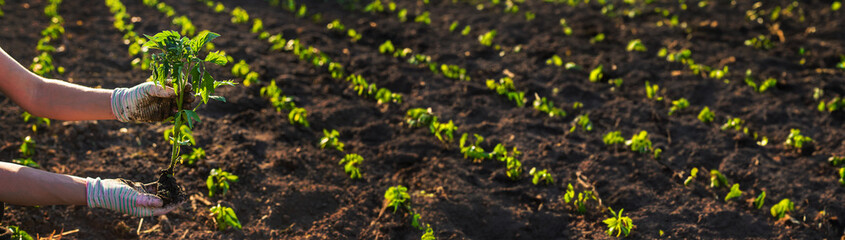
(168, 190)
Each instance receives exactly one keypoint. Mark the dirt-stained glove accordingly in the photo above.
(147, 102)
(125, 196)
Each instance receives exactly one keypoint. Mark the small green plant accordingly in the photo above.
(639, 142)
(19, 234)
(397, 196)
(239, 15)
(796, 140)
(45, 122)
(762, 87)
(299, 116)
(734, 193)
(583, 121)
(836, 161)
(636, 45)
(717, 179)
(26, 162)
(566, 29)
(555, 59)
(257, 26)
(706, 116)
(218, 182)
(505, 87)
(579, 204)
(652, 90)
(350, 164)
(719, 73)
(423, 18)
(836, 5)
(337, 26)
(541, 176)
(486, 39)
(619, 224)
(454, 72)
(386, 47)
(692, 174)
(760, 200)
(760, 42)
(783, 208)
(428, 235)
(678, 105)
(196, 155)
(473, 150)
(353, 35)
(224, 217)
(544, 105)
(418, 117)
(613, 138)
(842, 176)
(331, 139)
(597, 38)
(27, 148)
(466, 30)
(240, 69)
(596, 74)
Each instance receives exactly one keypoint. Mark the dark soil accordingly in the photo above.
(291, 189)
(168, 189)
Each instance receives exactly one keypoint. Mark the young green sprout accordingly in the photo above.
(397, 196)
(386, 47)
(636, 45)
(842, 176)
(473, 150)
(719, 73)
(619, 224)
(717, 179)
(760, 42)
(224, 217)
(692, 174)
(796, 140)
(38, 121)
(706, 116)
(566, 29)
(418, 117)
(19, 234)
(734, 193)
(218, 182)
(678, 105)
(760, 200)
(331, 139)
(555, 60)
(514, 168)
(466, 30)
(27, 148)
(580, 203)
(486, 39)
(423, 18)
(350, 164)
(652, 91)
(768, 83)
(544, 105)
(429, 234)
(542, 176)
(783, 208)
(299, 116)
(506, 87)
(196, 155)
(613, 138)
(239, 15)
(639, 142)
(598, 38)
(582, 120)
(596, 74)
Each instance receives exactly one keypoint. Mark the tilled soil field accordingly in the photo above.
(289, 188)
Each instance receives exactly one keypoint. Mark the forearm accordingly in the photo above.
(61, 100)
(26, 186)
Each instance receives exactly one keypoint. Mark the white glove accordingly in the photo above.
(124, 196)
(147, 102)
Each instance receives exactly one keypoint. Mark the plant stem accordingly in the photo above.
(177, 133)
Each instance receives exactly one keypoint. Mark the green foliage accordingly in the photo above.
(224, 217)
(541, 176)
(382, 95)
(467, 28)
(529, 16)
(692, 174)
(652, 90)
(580, 203)
(619, 224)
(760, 200)
(717, 179)
(423, 18)
(612, 138)
(836, 160)
(834, 104)
(386, 47)
(760, 42)
(473, 150)
(303, 10)
(397, 196)
(453, 26)
(796, 140)
(486, 39)
(402, 15)
(279, 101)
(719, 73)
(505, 87)
(335, 25)
(636, 45)
(36, 121)
(836, 5)
(544, 105)
(596, 74)
(196, 155)
(331, 139)
(842, 176)
(783, 208)
(583, 121)
(218, 182)
(353, 35)
(566, 29)
(639, 142)
(513, 165)
(556, 60)
(350, 164)
(27, 148)
(428, 235)
(762, 87)
(374, 6)
(257, 26)
(239, 15)
(418, 117)
(706, 116)
(454, 72)
(19, 234)
(734, 193)
(299, 116)
(188, 28)
(678, 105)
(597, 38)
(26, 162)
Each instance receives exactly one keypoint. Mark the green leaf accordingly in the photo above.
(216, 58)
(217, 98)
(201, 39)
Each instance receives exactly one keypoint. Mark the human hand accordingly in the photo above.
(148, 102)
(125, 196)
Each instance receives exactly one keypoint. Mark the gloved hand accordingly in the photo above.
(125, 196)
(147, 102)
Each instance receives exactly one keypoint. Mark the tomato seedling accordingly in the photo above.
(541, 176)
(639, 142)
(706, 116)
(19, 234)
(506, 87)
(45, 122)
(27, 148)
(544, 105)
(218, 181)
(835, 160)
(583, 121)
(418, 117)
(613, 138)
(350, 164)
(760, 200)
(224, 217)
(636, 45)
(239, 15)
(734, 193)
(717, 179)
(618, 224)
(678, 105)
(196, 155)
(331, 139)
(652, 90)
(486, 39)
(579, 204)
(784, 207)
(596, 74)
(796, 140)
(692, 174)
(473, 150)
